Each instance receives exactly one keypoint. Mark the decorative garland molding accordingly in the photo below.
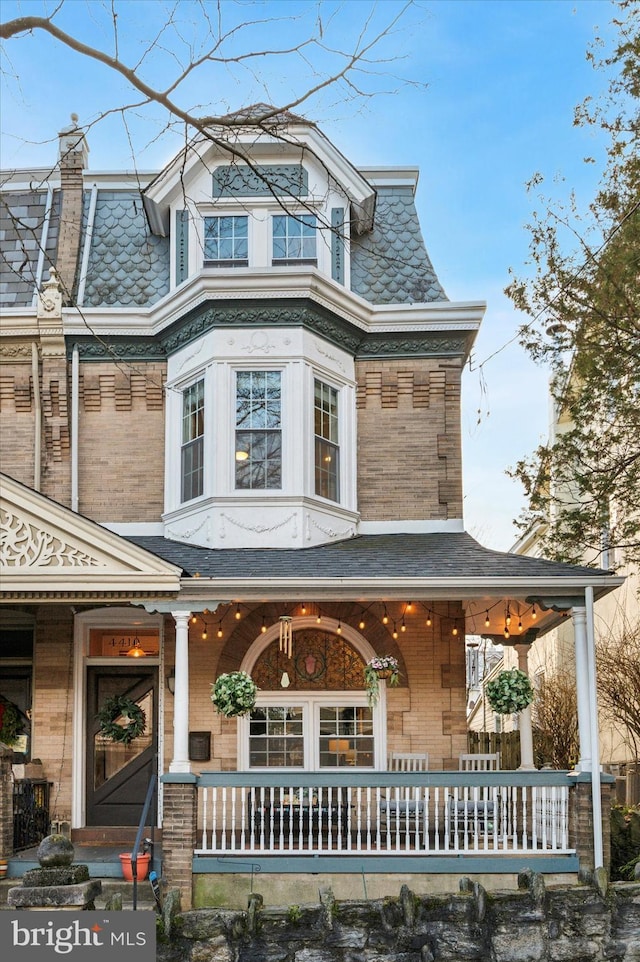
(274, 313)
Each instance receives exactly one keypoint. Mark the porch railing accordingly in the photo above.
(383, 813)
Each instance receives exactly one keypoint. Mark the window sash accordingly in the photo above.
(226, 240)
(294, 238)
(258, 441)
(327, 450)
(192, 448)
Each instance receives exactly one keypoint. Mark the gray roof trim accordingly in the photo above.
(277, 312)
(382, 566)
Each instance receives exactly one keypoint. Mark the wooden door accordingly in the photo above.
(118, 775)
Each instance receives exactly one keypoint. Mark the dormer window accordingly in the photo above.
(258, 448)
(226, 241)
(294, 240)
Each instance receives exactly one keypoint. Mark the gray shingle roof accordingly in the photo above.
(22, 217)
(454, 555)
(390, 265)
(128, 265)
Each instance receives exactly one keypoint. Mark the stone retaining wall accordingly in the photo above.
(533, 924)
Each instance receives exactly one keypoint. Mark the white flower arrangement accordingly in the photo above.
(234, 693)
(381, 666)
(511, 692)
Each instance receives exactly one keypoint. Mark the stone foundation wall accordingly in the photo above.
(533, 924)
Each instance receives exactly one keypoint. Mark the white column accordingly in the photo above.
(579, 616)
(180, 762)
(596, 797)
(524, 717)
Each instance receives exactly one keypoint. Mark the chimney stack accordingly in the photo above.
(73, 155)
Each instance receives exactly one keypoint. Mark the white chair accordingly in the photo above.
(397, 811)
(476, 814)
(479, 763)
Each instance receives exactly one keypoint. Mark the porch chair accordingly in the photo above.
(479, 811)
(402, 812)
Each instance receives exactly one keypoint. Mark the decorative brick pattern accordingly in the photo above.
(409, 441)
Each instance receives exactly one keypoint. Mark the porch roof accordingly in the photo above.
(376, 566)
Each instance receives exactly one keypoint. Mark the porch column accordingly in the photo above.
(524, 717)
(582, 689)
(180, 761)
(596, 793)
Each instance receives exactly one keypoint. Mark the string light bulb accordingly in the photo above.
(403, 627)
(264, 626)
(238, 615)
(362, 624)
(534, 613)
(193, 619)
(339, 628)
(429, 622)
(318, 618)
(385, 617)
(507, 619)
(520, 624)
(454, 630)
(395, 631)
(409, 606)
(204, 633)
(303, 609)
(220, 632)
(506, 631)
(487, 620)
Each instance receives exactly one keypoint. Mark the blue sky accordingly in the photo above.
(503, 78)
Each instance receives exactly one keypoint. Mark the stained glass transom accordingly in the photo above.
(321, 661)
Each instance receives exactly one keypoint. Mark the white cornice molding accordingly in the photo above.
(251, 284)
(449, 526)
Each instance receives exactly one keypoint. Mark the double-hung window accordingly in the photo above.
(294, 239)
(226, 241)
(258, 440)
(192, 446)
(327, 451)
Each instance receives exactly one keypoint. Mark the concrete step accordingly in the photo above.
(145, 899)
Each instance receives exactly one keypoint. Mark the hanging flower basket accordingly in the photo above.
(9, 722)
(234, 694)
(511, 692)
(381, 667)
(133, 720)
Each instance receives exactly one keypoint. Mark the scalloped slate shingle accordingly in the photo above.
(127, 265)
(21, 223)
(390, 265)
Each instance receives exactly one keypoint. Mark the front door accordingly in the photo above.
(118, 774)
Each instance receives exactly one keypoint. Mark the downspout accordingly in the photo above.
(596, 797)
(75, 421)
(43, 242)
(37, 441)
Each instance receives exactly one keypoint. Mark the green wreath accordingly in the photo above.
(10, 726)
(116, 707)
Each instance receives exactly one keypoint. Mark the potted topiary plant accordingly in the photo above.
(511, 692)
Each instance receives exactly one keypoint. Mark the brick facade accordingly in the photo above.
(179, 836)
(409, 442)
